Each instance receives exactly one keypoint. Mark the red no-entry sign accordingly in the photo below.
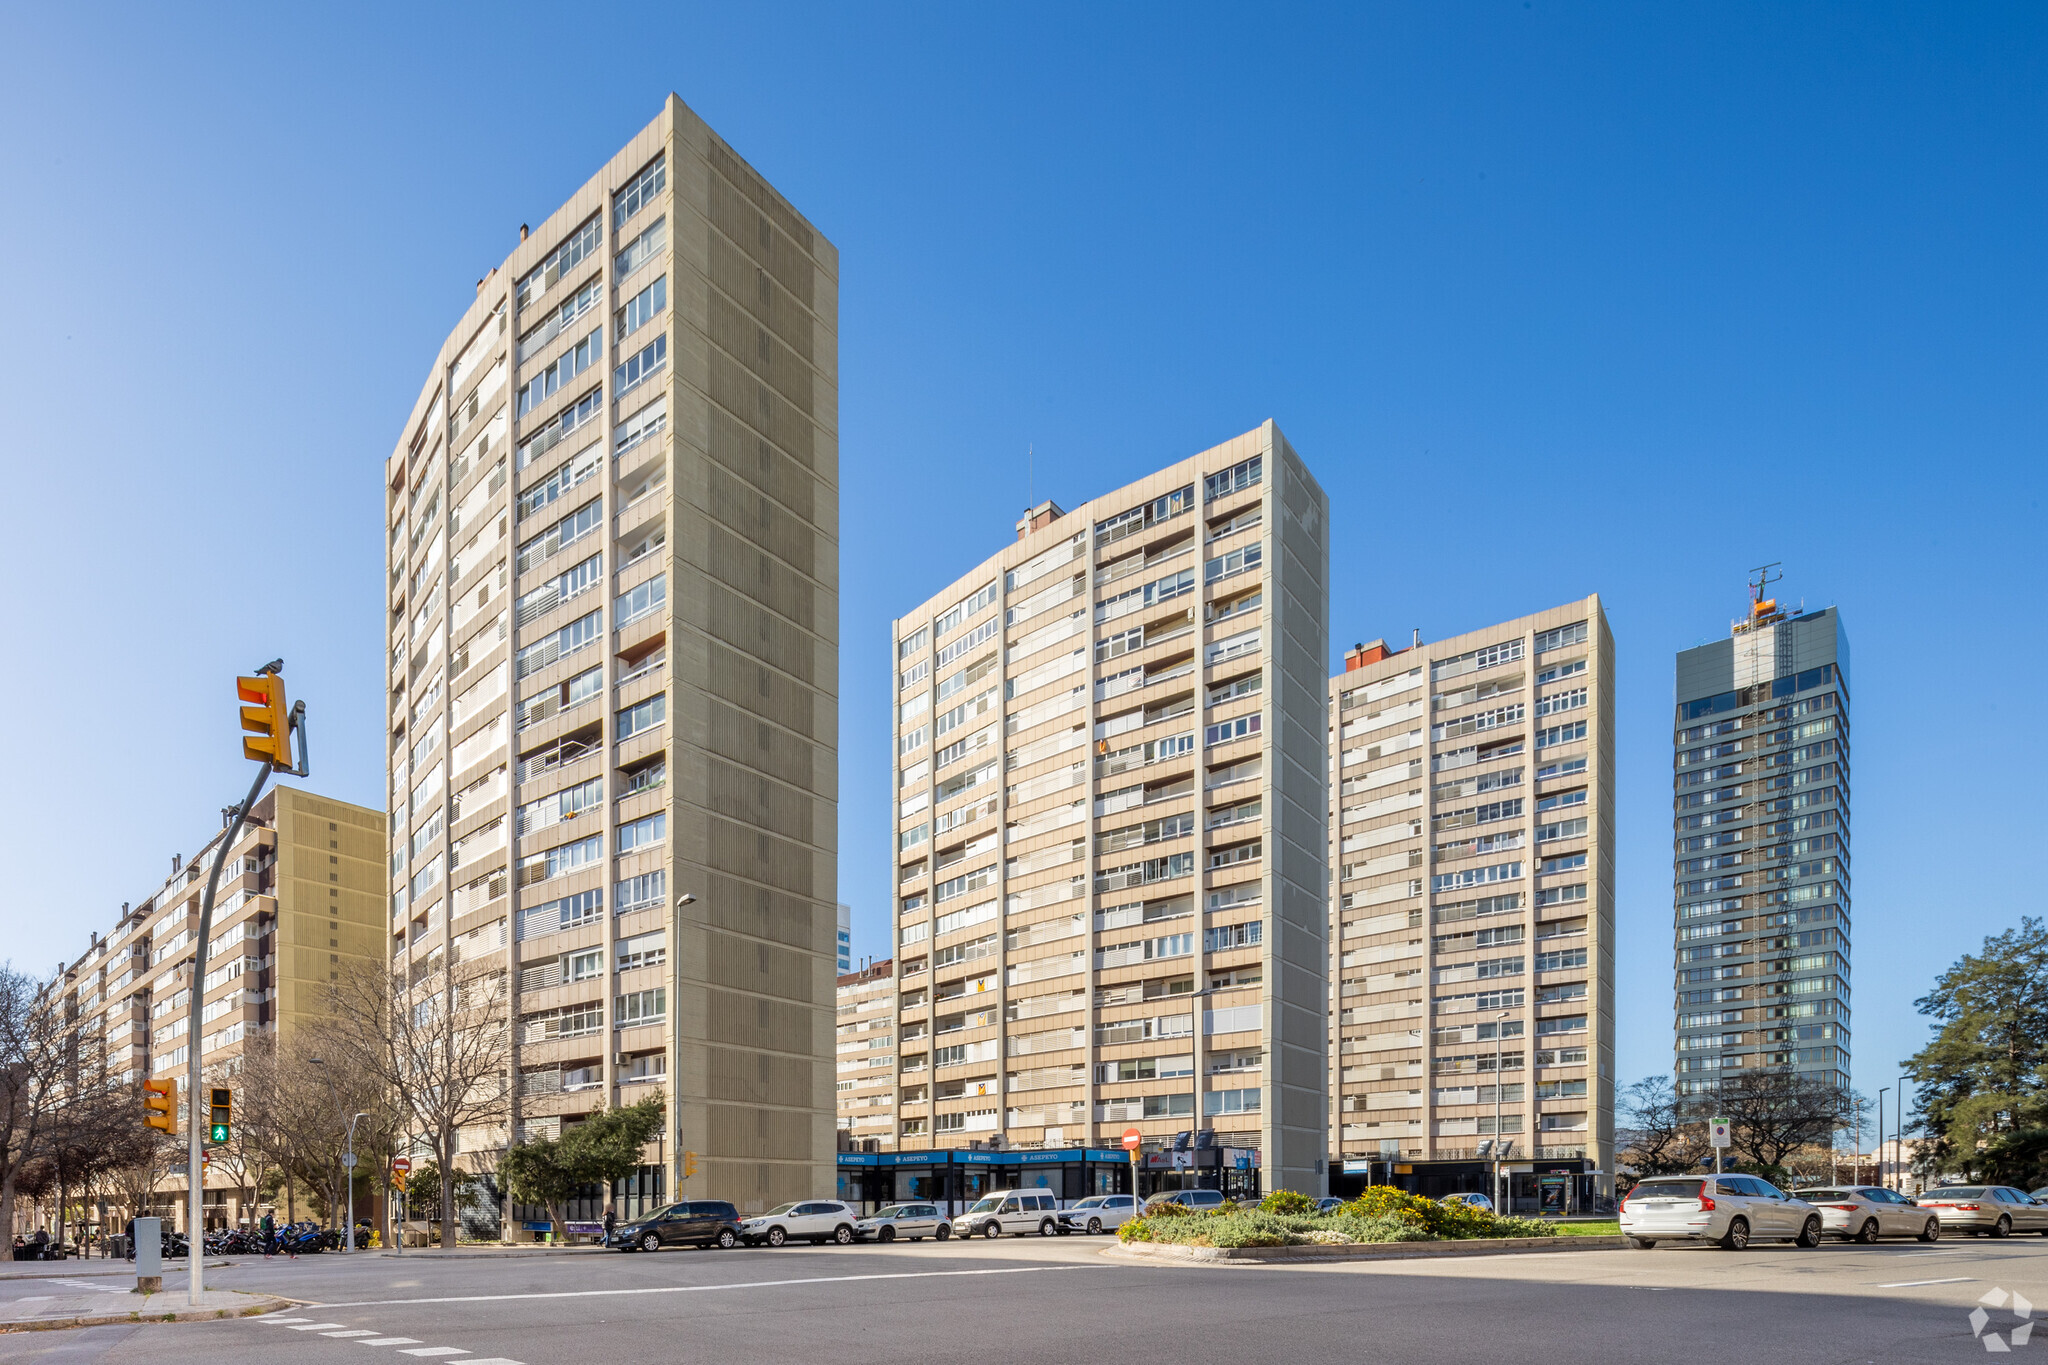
(1132, 1139)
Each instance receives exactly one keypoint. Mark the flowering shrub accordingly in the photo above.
(1381, 1214)
(1288, 1202)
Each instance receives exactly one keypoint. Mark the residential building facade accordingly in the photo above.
(300, 900)
(1112, 825)
(613, 664)
(845, 938)
(867, 1056)
(1472, 934)
(1760, 850)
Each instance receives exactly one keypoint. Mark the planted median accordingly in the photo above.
(1381, 1214)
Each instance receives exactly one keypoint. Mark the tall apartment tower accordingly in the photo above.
(614, 569)
(1112, 824)
(1473, 929)
(1760, 849)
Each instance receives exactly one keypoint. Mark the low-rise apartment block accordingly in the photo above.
(1472, 934)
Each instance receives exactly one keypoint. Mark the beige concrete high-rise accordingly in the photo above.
(1112, 826)
(1472, 934)
(867, 1053)
(301, 898)
(613, 595)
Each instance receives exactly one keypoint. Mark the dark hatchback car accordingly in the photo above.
(699, 1222)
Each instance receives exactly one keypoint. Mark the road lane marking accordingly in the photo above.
(285, 1316)
(351, 1332)
(390, 1341)
(494, 1360)
(701, 1288)
(315, 1326)
(437, 1351)
(1915, 1284)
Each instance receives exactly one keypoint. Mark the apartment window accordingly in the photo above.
(970, 606)
(563, 259)
(1559, 895)
(1234, 563)
(1231, 1102)
(1560, 734)
(1476, 876)
(647, 890)
(555, 862)
(643, 364)
(571, 1021)
(1563, 701)
(564, 368)
(646, 421)
(1230, 936)
(1233, 646)
(642, 249)
(643, 306)
(1574, 634)
(551, 594)
(1565, 769)
(576, 635)
(535, 816)
(564, 533)
(1225, 731)
(643, 950)
(1235, 479)
(578, 468)
(643, 715)
(914, 643)
(565, 913)
(560, 319)
(643, 833)
(1562, 864)
(1559, 672)
(639, 191)
(1562, 829)
(640, 601)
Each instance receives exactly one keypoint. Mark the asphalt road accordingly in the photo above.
(1031, 1301)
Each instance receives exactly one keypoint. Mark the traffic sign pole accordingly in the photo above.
(1133, 1139)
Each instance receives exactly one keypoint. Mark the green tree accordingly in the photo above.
(602, 1149)
(1983, 1079)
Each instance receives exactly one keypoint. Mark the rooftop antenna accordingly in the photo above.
(1761, 578)
(1031, 475)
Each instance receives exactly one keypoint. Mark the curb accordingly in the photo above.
(1371, 1251)
(170, 1268)
(260, 1303)
(508, 1253)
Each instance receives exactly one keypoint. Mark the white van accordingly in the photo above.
(1011, 1211)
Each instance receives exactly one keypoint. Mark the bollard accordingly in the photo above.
(149, 1256)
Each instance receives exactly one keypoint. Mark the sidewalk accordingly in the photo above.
(48, 1312)
(486, 1251)
(94, 1268)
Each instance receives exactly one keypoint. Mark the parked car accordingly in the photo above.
(1477, 1201)
(1328, 1202)
(1193, 1199)
(815, 1220)
(1011, 1211)
(699, 1222)
(1098, 1213)
(1992, 1210)
(1733, 1210)
(2041, 1194)
(1866, 1212)
(913, 1221)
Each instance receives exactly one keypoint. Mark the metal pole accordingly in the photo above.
(1499, 1205)
(348, 1173)
(1882, 1092)
(195, 1110)
(1899, 1131)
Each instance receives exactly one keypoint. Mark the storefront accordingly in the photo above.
(1551, 1188)
(1233, 1170)
(954, 1178)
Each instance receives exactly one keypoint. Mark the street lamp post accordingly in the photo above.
(1899, 1131)
(1882, 1092)
(675, 1108)
(1195, 1119)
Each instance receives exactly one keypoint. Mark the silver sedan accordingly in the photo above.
(912, 1221)
(1863, 1213)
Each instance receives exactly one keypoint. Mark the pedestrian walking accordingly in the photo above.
(611, 1221)
(130, 1239)
(267, 1228)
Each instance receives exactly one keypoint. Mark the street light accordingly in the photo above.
(1882, 1092)
(1195, 1119)
(675, 1107)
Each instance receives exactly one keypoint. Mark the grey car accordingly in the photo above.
(913, 1222)
(1992, 1210)
(1864, 1213)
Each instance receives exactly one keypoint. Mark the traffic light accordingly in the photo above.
(160, 1105)
(689, 1164)
(398, 1181)
(219, 1113)
(269, 718)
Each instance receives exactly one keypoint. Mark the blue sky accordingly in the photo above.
(1553, 298)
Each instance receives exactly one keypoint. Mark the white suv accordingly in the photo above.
(819, 1220)
(1733, 1210)
(1011, 1211)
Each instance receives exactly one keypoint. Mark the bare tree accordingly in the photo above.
(36, 1051)
(1774, 1113)
(1664, 1132)
(441, 1042)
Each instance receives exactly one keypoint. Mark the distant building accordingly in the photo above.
(301, 897)
(845, 938)
(867, 1055)
(1760, 838)
(1472, 935)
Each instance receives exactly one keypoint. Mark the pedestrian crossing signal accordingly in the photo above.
(219, 1113)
